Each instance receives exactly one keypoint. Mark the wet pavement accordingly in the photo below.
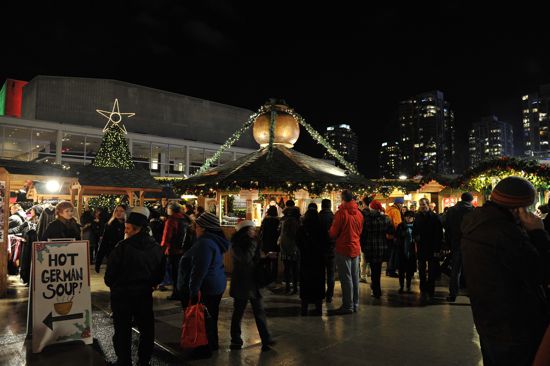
(398, 329)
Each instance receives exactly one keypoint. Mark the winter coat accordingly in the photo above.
(269, 234)
(135, 266)
(394, 213)
(61, 228)
(328, 244)
(312, 268)
(246, 256)
(207, 269)
(504, 268)
(288, 229)
(428, 234)
(453, 220)
(346, 229)
(46, 217)
(406, 251)
(175, 230)
(374, 240)
(113, 234)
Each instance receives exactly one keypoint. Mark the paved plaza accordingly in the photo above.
(395, 330)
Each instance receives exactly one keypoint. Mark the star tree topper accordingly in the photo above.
(114, 117)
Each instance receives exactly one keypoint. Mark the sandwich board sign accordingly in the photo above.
(61, 298)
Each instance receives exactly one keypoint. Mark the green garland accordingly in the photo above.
(269, 108)
(272, 123)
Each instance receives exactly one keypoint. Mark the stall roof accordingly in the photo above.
(32, 168)
(285, 166)
(137, 178)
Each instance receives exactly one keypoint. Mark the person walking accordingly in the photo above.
(207, 274)
(453, 235)
(506, 253)
(269, 234)
(428, 235)
(394, 213)
(290, 222)
(245, 253)
(134, 268)
(406, 251)
(113, 234)
(312, 263)
(64, 226)
(377, 230)
(176, 231)
(328, 244)
(346, 230)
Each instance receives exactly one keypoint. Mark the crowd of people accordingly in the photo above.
(500, 251)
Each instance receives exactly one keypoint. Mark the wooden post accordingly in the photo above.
(130, 198)
(141, 197)
(79, 202)
(4, 215)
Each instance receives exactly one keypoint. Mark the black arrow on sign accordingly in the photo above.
(50, 319)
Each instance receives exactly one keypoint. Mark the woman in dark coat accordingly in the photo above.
(245, 253)
(312, 268)
(64, 226)
(269, 233)
(114, 233)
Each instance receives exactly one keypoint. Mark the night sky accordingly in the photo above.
(333, 62)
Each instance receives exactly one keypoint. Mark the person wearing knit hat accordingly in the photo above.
(207, 274)
(376, 205)
(245, 223)
(208, 221)
(134, 268)
(514, 192)
(505, 252)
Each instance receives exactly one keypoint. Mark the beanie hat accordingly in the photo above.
(376, 205)
(244, 224)
(139, 216)
(208, 221)
(513, 192)
(399, 200)
(174, 206)
(467, 196)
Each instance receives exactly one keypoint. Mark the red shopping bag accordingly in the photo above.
(193, 332)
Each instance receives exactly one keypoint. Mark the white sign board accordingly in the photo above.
(61, 297)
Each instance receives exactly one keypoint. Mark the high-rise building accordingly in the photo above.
(344, 140)
(536, 121)
(489, 139)
(390, 160)
(426, 129)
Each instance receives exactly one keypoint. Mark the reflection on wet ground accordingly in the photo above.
(397, 329)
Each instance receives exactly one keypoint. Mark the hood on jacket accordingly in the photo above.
(464, 204)
(481, 216)
(223, 243)
(351, 207)
(292, 211)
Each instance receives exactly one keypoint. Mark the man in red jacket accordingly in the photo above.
(346, 230)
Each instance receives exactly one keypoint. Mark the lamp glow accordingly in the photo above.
(402, 177)
(53, 186)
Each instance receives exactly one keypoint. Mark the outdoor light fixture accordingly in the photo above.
(53, 186)
(188, 196)
(402, 177)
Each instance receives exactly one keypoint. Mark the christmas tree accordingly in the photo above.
(113, 151)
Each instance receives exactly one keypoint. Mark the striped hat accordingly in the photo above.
(513, 192)
(208, 221)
